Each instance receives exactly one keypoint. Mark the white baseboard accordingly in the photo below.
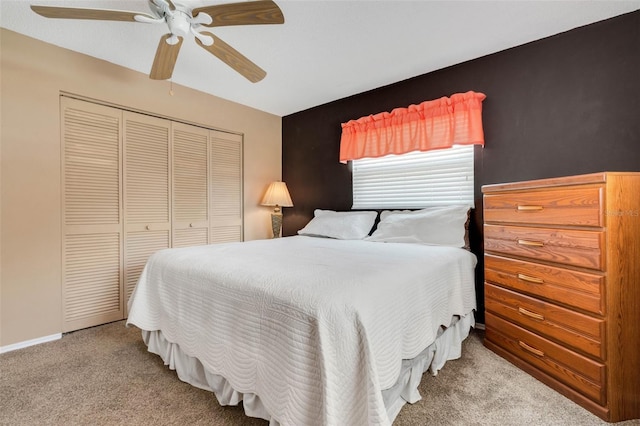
(32, 342)
(479, 326)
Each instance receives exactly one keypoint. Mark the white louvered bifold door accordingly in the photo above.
(226, 187)
(190, 225)
(147, 194)
(92, 214)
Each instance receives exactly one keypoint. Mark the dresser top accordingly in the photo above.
(591, 178)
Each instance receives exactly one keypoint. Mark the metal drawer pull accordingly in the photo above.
(529, 208)
(530, 243)
(530, 349)
(527, 278)
(530, 314)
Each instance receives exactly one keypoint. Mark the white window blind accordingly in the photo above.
(414, 180)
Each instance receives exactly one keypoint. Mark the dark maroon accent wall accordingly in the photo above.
(568, 104)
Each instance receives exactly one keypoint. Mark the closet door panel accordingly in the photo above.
(146, 170)
(92, 280)
(92, 214)
(190, 225)
(141, 245)
(190, 237)
(226, 187)
(147, 192)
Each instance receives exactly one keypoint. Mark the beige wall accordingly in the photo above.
(32, 75)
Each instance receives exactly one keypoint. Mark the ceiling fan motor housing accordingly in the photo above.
(179, 23)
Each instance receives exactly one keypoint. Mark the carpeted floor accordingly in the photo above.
(105, 376)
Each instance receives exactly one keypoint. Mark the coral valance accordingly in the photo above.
(437, 124)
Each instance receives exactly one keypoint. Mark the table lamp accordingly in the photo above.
(277, 195)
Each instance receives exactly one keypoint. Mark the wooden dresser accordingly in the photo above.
(562, 285)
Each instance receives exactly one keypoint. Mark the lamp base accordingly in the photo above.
(276, 224)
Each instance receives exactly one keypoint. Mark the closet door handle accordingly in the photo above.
(526, 208)
(530, 314)
(148, 227)
(527, 278)
(530, 243)
(528, 348)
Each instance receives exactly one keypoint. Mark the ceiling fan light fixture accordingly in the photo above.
(179, 23)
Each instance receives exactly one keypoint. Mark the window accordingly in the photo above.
(414, 180)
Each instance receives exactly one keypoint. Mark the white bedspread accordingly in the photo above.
(315, 327)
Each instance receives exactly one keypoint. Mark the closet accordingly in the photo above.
(133, 184)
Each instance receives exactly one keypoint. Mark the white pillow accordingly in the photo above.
(444, 226)
(386, 213)
(340, 225)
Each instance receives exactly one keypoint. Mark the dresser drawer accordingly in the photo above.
(580, 206)
(576, 371)
(569, 247)
(582, 332)
(580, 290)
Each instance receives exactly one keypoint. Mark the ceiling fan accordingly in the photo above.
(183, 20)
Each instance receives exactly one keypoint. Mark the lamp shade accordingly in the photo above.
(277, 195)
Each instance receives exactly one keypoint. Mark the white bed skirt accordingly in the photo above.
(447, 347)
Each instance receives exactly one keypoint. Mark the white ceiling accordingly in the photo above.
(326, 50)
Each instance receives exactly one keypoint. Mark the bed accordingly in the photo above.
(307, 329)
